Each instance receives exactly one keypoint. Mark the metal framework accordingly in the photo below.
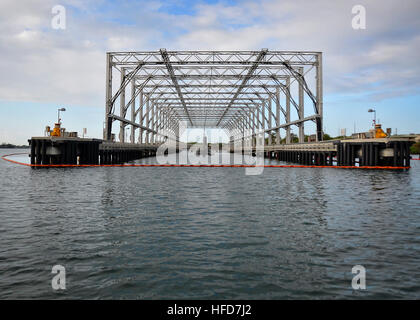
(238, 91)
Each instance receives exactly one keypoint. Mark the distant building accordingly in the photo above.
(312, 138)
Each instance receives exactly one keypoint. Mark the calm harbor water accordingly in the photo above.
(197, 233)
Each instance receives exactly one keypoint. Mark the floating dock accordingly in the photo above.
(116, 152)
(387, 152)
(81, 151)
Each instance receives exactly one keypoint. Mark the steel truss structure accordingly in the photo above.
(238, 91)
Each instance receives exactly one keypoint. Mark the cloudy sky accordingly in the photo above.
(43, 68)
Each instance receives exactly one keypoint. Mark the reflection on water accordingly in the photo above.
(157, 232)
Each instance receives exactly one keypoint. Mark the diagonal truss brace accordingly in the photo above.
(174, 80)
(244, 81)
(127, 79)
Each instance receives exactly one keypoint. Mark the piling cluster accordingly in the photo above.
(364, 152)
(121, 156)
(78, 151)
(64, 151)
(384, 153)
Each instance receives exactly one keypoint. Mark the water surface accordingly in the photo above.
(181, 233)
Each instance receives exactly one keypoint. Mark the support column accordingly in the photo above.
(147, 120)
(319, 103)
(33, 143)
(152, 140)
(263, 121)
(133, 110)
(122, 106)
(43, 152)
(258, 136)
(38, 152)
(277, 115)
(301, 110)
(253, 142)
(270, 122)
(288, 135)
(108, 96)
(141, 131)
(158, 126)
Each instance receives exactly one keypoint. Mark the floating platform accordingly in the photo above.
(387, 152)
(83, 151)
(116, 152)
(384, 152)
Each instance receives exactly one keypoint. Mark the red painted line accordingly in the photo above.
(194, 165)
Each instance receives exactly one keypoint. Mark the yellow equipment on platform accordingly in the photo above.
(379, 133)
(56, 132)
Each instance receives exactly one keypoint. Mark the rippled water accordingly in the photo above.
(157, 233)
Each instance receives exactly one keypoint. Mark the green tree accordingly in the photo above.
(415, 148)
(327, 136)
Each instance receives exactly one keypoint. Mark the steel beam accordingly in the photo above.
(174, 79)
(122, 105)
(234, 90)
(245, 80)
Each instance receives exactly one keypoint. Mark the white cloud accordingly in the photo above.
(41, 64)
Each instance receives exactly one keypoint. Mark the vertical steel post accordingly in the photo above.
(108, 97)
(319, 101)
(270, 122)
(263, 121)
(122, 106)
(288, 136)
(133, 110)
(277, 114)
(141, 116)
(253, 142)
(152, 138)
(258, 125)
(147, 120)
(301, 110)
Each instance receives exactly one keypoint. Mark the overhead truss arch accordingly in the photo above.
(231, 90)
